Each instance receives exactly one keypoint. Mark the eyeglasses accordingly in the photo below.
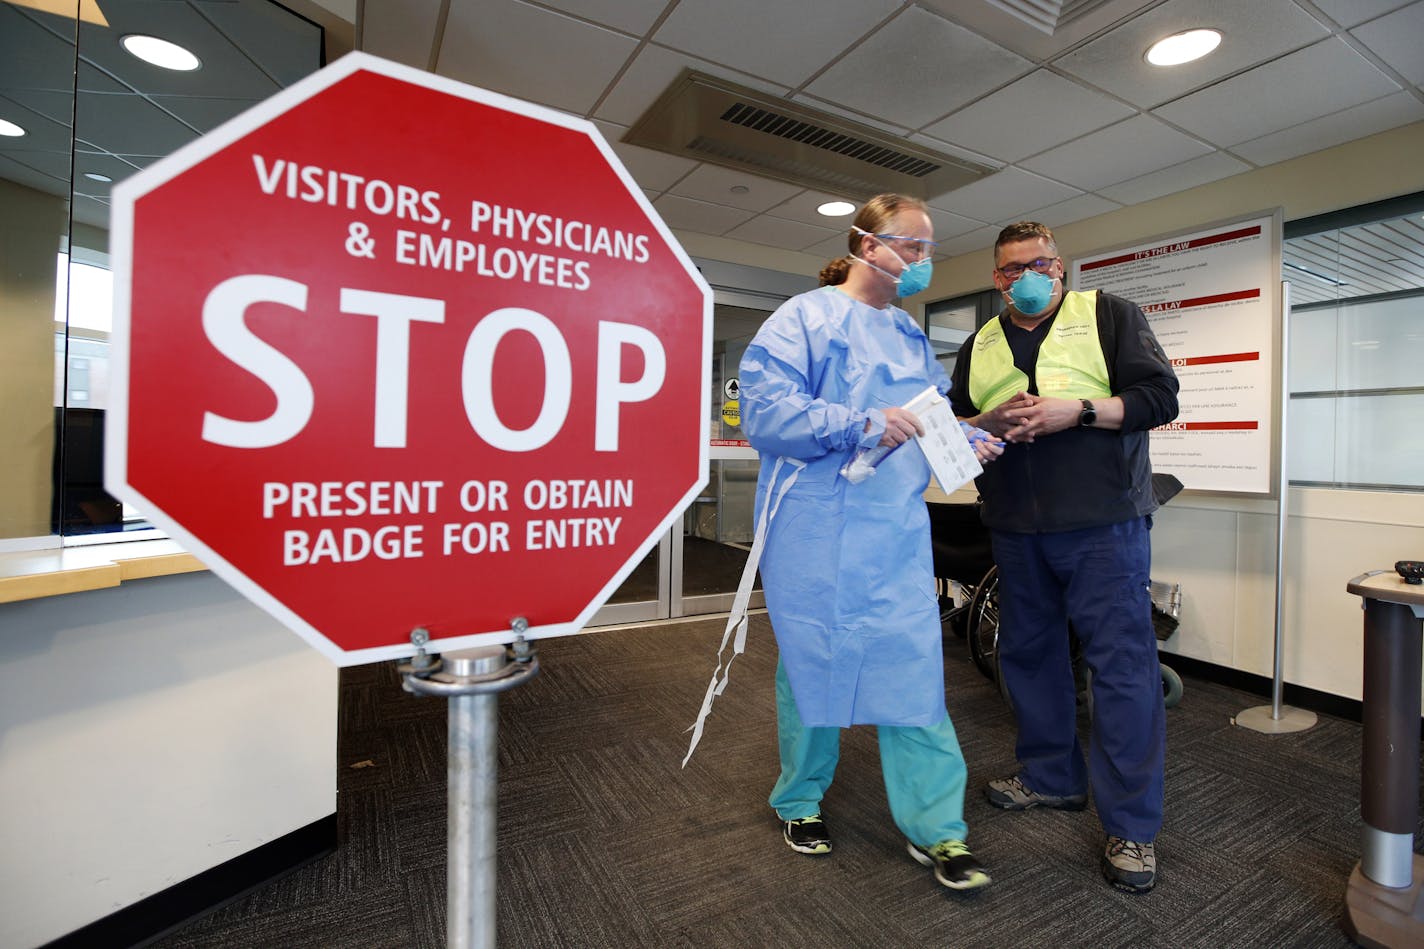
(1038, 265)
(920, 249)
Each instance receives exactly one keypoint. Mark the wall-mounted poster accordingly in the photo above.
(1213, 299)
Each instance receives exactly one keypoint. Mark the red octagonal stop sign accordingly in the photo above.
(394, 352)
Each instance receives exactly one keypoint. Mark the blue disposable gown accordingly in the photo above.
(847, 569)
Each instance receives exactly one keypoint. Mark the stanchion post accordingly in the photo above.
(1277, 719)
(470, 680)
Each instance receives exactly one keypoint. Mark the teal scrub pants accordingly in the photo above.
(923, 768)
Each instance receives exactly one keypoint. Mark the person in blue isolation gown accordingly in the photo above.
(846, 568)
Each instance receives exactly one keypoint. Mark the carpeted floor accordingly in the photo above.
(605, 842)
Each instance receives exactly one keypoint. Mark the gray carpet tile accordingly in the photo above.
(605, 840)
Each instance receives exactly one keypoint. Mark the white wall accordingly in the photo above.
(149, 732)
(1221, 549)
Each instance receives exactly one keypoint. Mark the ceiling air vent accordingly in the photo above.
(712, 120)
(1047, 15)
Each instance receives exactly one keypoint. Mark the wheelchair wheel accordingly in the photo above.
(983, 626)
(1171, 686)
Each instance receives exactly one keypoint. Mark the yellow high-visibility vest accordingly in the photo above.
(1070, 361)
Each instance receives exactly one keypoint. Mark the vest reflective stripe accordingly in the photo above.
(1070, 361)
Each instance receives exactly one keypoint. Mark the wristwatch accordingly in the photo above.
(1089, 415)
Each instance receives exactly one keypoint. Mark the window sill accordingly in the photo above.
(33, 574)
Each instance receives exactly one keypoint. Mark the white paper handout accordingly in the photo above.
(948, 451)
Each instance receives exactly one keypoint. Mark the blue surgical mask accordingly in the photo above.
(912, 279)
(915, 277)
(1032, 292)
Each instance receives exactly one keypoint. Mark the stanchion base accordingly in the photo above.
(1259, 719)
(1383, 917)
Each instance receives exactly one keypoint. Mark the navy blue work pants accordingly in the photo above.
(1096, 577)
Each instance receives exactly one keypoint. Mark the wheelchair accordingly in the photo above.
(964, 559)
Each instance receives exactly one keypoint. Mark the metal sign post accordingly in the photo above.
(1278, 719)
(471, 680)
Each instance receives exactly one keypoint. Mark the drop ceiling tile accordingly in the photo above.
(1212, 166)
(1355, 12)
(32, 56)
(1027, 115)
(1398, 39)
(95, 80)
(1252, 33)
(686, 214)
(204, 114)
(1343, 126)
(717, 185)
(649, 167)
(916, 69)
(652, 71)
(1317, 80)
(979, 241)
(57, 108)
(110, 118)
(42, 133)
(829, 249)
(1126, 150)
(949, 225)
(1004, 195)
(1066, 212)
(753, 35)
(802, 207)
(403, 32)
(632, 16)
(514, 58)
(779, 232)
(285, 46)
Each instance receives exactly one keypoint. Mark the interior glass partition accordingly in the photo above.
(78, 114)
(1357, 347)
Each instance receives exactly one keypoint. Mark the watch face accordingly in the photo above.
(1089, 415)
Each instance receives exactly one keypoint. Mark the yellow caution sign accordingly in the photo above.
(732, 413)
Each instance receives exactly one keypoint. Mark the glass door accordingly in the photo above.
(696, 567)
(718, 526)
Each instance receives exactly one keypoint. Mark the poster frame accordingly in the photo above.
(1273, 418)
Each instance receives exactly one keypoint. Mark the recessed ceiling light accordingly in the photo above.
(10, 129)
(836, 208)
(1183, 47)
(94, 176)
(159, 52)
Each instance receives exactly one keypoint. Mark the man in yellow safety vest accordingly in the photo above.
(1073, 381)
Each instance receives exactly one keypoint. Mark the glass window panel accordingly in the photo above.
(1313, 346)
(1310, 441)
(1357, 347)
(92, 115)
(1377, 442)
(1382, 344)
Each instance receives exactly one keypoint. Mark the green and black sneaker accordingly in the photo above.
(954, 866)
(807, 835)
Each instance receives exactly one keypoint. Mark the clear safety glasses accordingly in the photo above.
(909, 248)
(1039, 264)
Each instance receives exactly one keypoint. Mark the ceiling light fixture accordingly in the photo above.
(95, 176)
(159, 52)
(1183, 47)
(836, 208)
(10, 129)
